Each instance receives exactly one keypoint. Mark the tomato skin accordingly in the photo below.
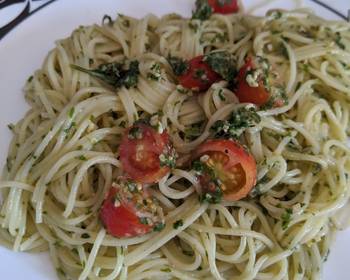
(245, 93)
(192, 80)
(121, 221)
(140, 157)
(231, 156)
(227, 8)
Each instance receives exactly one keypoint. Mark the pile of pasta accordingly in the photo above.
(62, 161)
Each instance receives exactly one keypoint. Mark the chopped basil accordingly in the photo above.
(286, 218)
(115, 74)
(177, 224)
(222, 63)
(201, 74)
(178, 65)
(202, 11)
(159, 227)
(132, 186)
(239, 121)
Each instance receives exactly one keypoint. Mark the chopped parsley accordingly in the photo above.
(179, 65)
(221, 94)
(286, 218)
(193, 131)
(177, 224)
(212, 192)
(222, 63)
(155, 73)
(159, 227)
(239, 121)
(202, 11)
(168, 159)
(30, 79)
(115, 74)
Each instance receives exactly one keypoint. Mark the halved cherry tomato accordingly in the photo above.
(224, 6)
(232, 166)
(128, 211)
(199, 76)
(141, 151)
(246, 92)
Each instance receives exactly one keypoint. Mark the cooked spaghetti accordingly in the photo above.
(64, 156)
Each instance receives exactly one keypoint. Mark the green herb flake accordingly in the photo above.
(85, 235)
(167, 269)
(82, 158)
(71, 112)
(30, 79)
(178, 65)
(159, 227)
(168, 159)
(155, 74)
(135, 133)
(338, 41)
(178, 224)
(221, 95)
(143, 220)
(222, 63)
(286, 218)
(239, 121)
(115, 74)
(202, 11)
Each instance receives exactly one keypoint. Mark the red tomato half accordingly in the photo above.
(140, 151)
(199, 76)
(124, 212)
(233, 166)
(224, 6)
(247, 93)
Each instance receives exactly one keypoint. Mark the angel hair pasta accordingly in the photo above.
(272, 91)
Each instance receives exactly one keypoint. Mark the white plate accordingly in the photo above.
(24, 48)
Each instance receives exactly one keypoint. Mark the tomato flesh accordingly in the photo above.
(199, 76)
(139, 155)
(247, 93)
(233, 166)
(122, 214)
(224, 6)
